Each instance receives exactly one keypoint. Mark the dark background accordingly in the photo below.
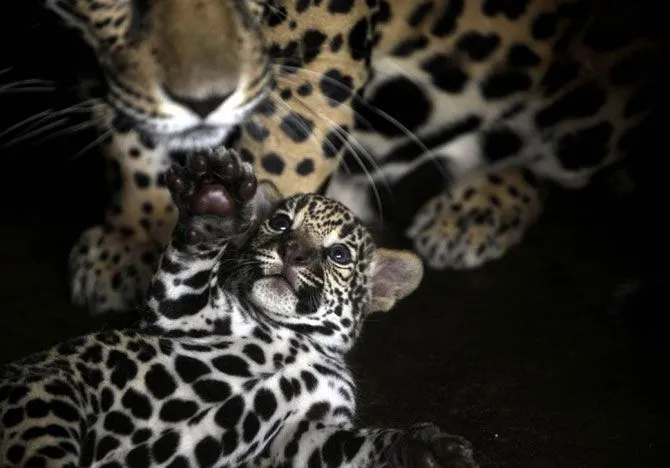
(537, 358)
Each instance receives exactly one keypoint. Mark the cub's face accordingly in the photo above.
(184, 72)
(315, 266)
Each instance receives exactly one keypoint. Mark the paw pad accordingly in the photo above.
(212, 183)
(211, 192)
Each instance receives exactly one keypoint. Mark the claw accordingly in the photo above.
(174, 182)
(248, 189)
(229, 168)
(199, 164)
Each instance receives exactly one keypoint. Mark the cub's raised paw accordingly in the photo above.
(109, 272)
(479, 220)
(432, 448)
(212, 193)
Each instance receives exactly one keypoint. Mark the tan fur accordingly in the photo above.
(313, 106)
(188, 50)
(395, 275)
(196, 45)
(197, 48)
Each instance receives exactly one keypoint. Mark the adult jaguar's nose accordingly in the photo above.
(295, 252)
(202, 107)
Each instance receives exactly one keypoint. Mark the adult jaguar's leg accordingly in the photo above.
(458, 225)
(478, 219)
(111, 264)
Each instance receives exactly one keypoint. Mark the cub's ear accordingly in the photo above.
(270, 192)
(395, 275)
(267, 197)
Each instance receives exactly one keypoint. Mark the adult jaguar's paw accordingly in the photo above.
(212, 193)
(109, 271)
(482, 217)
(429, 447)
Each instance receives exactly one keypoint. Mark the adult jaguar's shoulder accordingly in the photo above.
(441, 114)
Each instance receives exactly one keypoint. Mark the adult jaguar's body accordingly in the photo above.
(452, 107)
(240, 359)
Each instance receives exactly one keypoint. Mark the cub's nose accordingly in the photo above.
(294, 252)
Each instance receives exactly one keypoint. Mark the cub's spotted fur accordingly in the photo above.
(441, 113)
(240, 358)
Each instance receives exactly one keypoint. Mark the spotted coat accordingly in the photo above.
(239, 360)
(437, 117)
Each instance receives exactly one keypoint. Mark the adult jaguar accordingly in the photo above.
(473, 99)
(240, 359)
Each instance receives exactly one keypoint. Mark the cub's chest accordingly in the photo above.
(232, 402)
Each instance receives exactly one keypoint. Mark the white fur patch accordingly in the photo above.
(275, 296)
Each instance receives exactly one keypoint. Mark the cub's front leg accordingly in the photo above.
(219, 203)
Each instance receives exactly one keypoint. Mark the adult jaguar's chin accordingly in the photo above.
(181, 130)
(201, 137)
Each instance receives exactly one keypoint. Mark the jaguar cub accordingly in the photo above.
(239, 359)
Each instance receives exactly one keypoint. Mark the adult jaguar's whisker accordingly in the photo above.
(104, 135)
(354, 154)
(33, 120)
(393, 121)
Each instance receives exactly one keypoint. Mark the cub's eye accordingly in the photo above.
(280, 222)
(339, 254)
